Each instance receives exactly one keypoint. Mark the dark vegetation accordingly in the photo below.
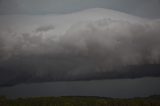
(80, 101)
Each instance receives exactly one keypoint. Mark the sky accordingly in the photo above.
(124, 88)
(42, 42)
(144, 8)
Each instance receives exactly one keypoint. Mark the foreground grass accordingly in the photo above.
(80, 101)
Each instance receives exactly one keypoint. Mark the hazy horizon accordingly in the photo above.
(115, 88)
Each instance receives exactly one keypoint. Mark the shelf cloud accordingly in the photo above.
(88, 45)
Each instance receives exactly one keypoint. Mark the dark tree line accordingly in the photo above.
(79, 101)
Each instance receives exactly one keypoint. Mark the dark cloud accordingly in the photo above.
(100, 49)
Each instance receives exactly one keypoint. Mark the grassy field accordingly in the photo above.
(80, 101)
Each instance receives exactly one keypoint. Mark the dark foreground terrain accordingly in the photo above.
(80, 101)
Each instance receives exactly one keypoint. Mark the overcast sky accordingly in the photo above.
(144, 8)
(123, 88)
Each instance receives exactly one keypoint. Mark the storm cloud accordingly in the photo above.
(114, 45)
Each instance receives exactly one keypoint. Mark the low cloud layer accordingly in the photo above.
(88, 50)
